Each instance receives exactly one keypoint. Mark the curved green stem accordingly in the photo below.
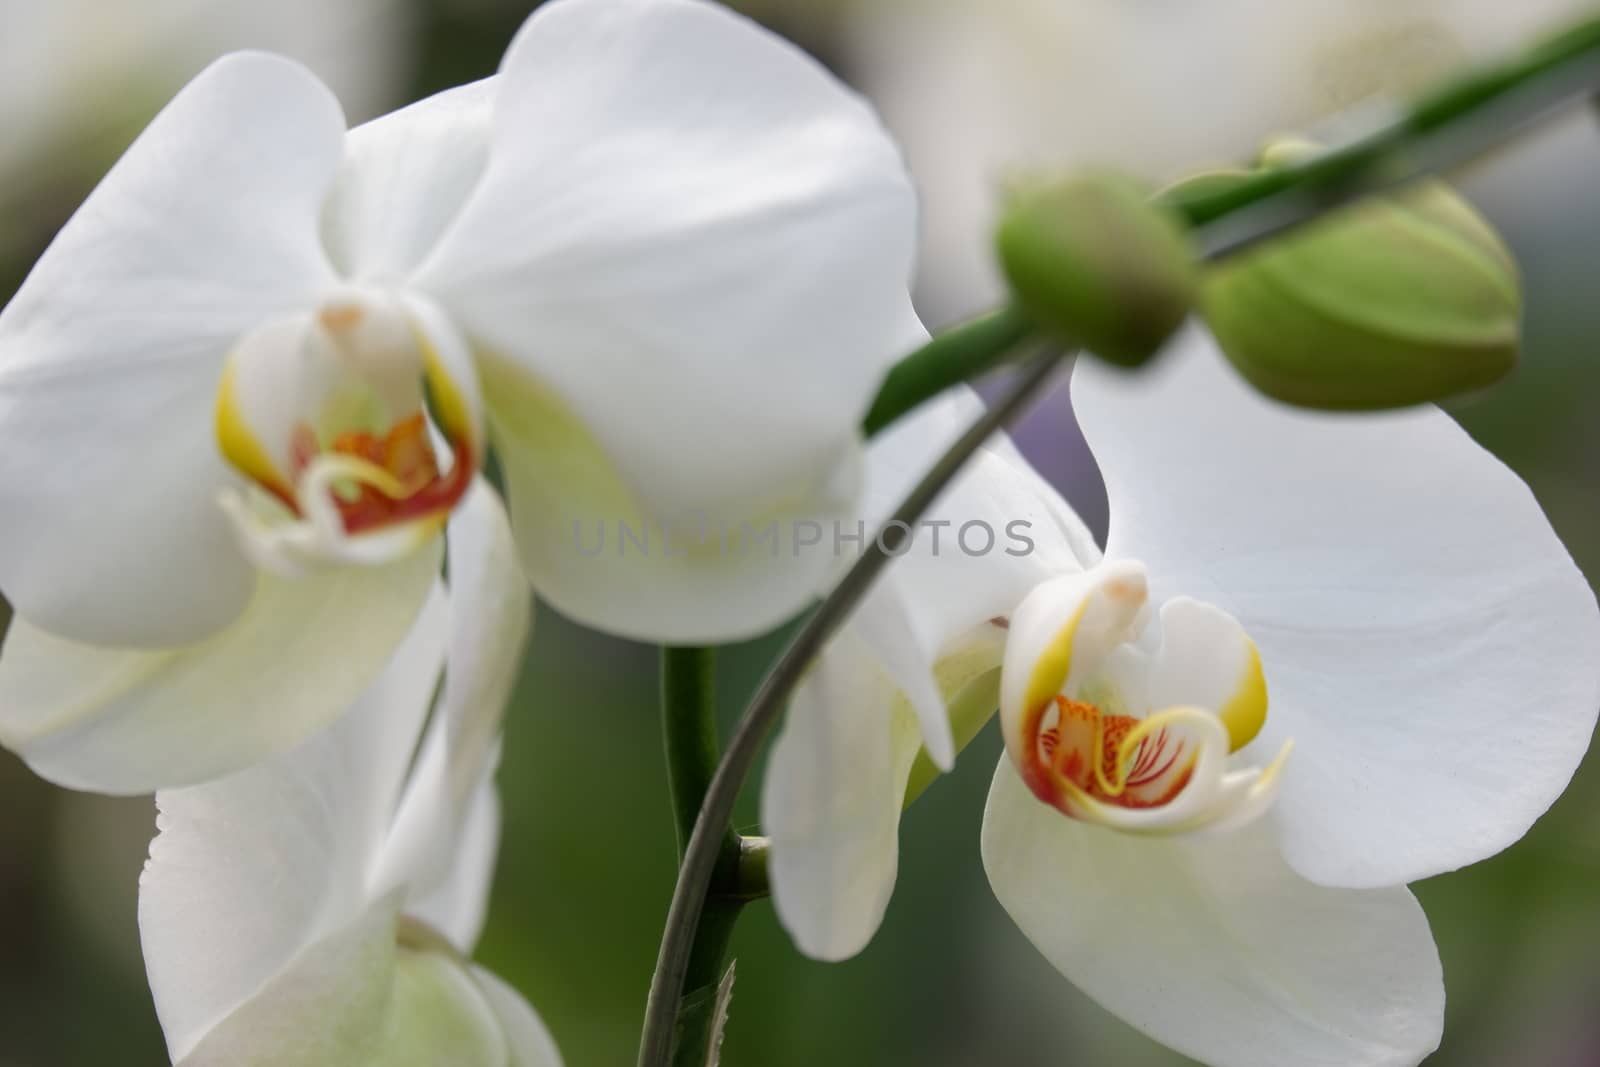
(689, 731)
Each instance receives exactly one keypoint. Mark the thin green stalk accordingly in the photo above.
(689, 734)
(689, 731)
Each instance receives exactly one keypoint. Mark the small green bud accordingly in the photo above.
(1397, 300)
(1095, 262)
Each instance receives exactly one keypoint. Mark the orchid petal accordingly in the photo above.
(458, 907)
(249, 871)
(656, 243)
(128, 721)
(1404, 590)
(1215, 946)
(111, 352)
(446, 833)
(403, 180)
(530, 1042)
(358, 1000)
(831, 801)
(597, 554)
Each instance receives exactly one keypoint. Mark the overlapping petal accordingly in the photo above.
(699, 243)
(831, 801)
(110, 356)
(446, 831)
(1427, 641)
(1216, 946)
(252, 870)
(123, 720)
(404, 178)
(530, 1042)
(358, 999)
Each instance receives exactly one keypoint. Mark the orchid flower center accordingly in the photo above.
(325, 415)
(1129, 725)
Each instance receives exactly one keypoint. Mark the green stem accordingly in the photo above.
(697, 1030)
(689, 731)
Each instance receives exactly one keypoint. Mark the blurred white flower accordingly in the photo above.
(663, 258)
(977, 88)
(320, 907)
(69, 67)
(1426, 641)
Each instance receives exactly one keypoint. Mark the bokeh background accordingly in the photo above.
(971, 87)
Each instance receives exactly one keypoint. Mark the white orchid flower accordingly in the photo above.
(660, 261)
(320, 907)
(1377, 590)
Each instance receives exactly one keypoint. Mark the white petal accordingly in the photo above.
(1427, 641)
(1206, 660)
(110, 356)
(404, 178)
(991, 537)
(883, 625)
(1215, 946)
(698, 240)
(530, 1042)
(598, 555)
(458, 907)
(831, 801)
(358, 1000)
(249, 871)
(318, 1011)
(446, 833)
(995, 533)
(129, 721)
(491, 614)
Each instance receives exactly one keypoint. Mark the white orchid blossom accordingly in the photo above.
(660, 261)
(320, 907)
(1377, 591)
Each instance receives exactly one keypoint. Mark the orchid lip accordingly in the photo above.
(325, 414)
(1110, 730)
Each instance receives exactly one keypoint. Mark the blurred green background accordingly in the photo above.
(587, 861)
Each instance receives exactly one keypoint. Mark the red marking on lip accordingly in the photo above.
(1065, 754)
(406, 453)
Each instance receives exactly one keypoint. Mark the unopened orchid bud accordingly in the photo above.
(1099, 265)
(1398, 300)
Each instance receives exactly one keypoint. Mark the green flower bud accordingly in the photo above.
(1398, 300)
(1092, 260)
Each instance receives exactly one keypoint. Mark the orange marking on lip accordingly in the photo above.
(405, 452)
